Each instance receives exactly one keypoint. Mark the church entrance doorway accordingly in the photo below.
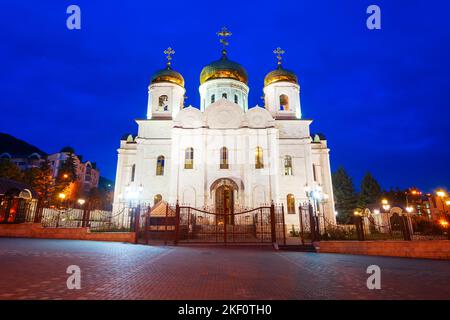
(225, 204)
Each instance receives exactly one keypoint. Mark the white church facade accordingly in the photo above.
(224, 156)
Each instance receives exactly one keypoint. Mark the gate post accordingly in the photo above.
(359, 228)
(405, 228)
(284, 224)
(137, 216)
(39, 210)
(272, 223)
(147, 224)
(84, 218)
(312, 223)
(166, 236)
(177, 223)
(300, 212)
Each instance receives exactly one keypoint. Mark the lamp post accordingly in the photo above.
(61, 196)
(358, 214)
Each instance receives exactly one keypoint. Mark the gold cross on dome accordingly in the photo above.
(279, 52)
(223, 34)
(169, 52)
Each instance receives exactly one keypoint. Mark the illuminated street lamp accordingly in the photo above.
(441, 194)
(81, 201)
(357, 213)
(62, 196)
(385, 204)
(409, 209)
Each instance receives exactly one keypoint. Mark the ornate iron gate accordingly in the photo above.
(259, 225)
(184, 224)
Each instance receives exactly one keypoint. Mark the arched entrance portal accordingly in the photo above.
(224, 192)
(225, 203)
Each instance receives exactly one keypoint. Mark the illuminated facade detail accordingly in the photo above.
(256, 155)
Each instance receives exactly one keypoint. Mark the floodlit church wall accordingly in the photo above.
(125, 161)
(155, 129)
(321, 162)
(147, 155)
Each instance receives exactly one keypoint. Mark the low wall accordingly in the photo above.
(427, 249)
(35, 230)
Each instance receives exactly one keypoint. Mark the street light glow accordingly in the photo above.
(81, 201)
(409, 209)
(441, 194)
(62, 196)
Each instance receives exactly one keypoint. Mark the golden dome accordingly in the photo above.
(168, 75)
(224, 69)
(278, 75)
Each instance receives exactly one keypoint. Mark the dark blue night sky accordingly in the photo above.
(382, 98)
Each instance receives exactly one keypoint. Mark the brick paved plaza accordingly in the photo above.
(36, 269)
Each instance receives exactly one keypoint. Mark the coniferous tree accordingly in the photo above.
(345, 195)
(370, 191)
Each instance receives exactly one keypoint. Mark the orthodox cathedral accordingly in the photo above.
(223, 155)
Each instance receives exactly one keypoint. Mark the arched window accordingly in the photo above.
(236, 99)
(133, 172)
(284, 102)
(224, 95)
(259, 163)
(213, 98)
(288, 166)
(163, 103)
(189, 158)
(157, 199)
(290, 203)
(224, 158)
(160, 166)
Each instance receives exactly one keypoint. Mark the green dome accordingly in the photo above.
(168, 75)
(224, 69)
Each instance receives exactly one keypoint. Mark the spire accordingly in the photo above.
(223, 34)
(279, 52)
(169, 52)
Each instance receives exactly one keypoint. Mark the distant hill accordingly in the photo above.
(17, 147)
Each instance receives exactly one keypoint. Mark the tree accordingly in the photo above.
(345, 195)
(41, 179)
(370, 191)
(9, 170)
(67, 174)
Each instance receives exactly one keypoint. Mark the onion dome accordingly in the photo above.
(280, 74)
(168, 74)
(224, 69)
